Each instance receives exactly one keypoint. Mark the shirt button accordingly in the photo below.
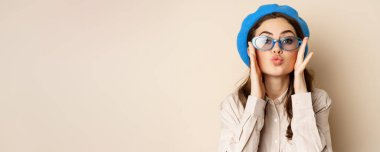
(275, 120)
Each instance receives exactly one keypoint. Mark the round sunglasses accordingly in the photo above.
(265, 43)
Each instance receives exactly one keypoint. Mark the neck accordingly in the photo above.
(276, 85)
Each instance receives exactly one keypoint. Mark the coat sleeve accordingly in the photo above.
(239, 127)
(310, 126)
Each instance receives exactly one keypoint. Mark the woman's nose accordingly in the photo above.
(276, 48)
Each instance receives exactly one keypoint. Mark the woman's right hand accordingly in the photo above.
(257, 85)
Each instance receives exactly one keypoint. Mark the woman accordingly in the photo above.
(276, 108)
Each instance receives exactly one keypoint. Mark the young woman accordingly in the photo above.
(276, 108)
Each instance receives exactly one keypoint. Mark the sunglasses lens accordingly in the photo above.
(290, 43)
(263, 43)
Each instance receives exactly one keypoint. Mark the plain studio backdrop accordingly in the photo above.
(143, 76)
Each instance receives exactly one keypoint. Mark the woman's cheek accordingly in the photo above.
(292, 60)
(264, 63)
(261, 59)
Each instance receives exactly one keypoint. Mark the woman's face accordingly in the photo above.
(276, 28)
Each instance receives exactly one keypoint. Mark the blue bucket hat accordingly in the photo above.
(251, 19)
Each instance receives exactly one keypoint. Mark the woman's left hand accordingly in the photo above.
(299, 67)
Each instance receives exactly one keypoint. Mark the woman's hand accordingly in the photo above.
(257, 85)
(299, 67)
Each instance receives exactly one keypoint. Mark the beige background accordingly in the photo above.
(97, 76)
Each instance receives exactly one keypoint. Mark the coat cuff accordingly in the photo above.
(255, 106)
(302, 104)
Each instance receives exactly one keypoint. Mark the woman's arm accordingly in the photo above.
(310, 126)
(240, 128)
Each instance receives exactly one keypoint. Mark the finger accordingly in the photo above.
(307, 59)
(253, 58)
(251, 53)
(251, 48)
(257, 68)
(301, 51)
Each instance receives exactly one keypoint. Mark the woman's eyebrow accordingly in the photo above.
(263, 32)
(283, 32)
(287, 31)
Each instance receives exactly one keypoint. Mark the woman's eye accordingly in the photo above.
(267, 41)
(288, 41)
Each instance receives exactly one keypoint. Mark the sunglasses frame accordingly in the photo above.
(274, 42)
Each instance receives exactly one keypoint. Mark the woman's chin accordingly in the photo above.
(276, 73)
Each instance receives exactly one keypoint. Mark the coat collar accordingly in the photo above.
(278, 100)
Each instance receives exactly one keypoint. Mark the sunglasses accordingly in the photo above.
(265, 43)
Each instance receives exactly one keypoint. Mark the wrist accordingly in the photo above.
(299, 75)
(300, 90)
(256, 95)
(300, 84)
